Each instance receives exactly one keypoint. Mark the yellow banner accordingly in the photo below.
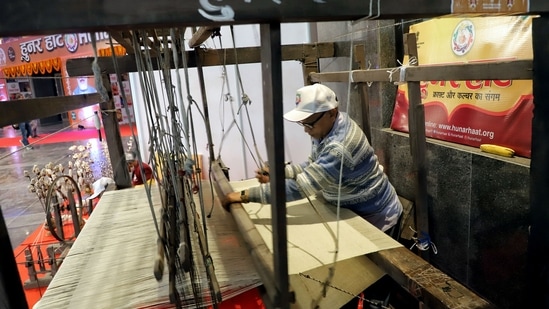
(485, 110)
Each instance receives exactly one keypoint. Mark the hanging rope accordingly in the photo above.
(228, 97)
(245, 102)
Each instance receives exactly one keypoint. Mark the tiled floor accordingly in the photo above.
(22, 210)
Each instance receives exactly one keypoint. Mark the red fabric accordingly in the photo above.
(40, 239)
(512, 128)
(136, 174)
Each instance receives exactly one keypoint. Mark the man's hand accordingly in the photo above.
(233, 197)
(262, 175)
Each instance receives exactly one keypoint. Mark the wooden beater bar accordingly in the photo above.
(260, 253)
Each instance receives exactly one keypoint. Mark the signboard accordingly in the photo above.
(121, 111)
(480, 111)
(490, 6)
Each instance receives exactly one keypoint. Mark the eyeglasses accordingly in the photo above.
(310, 125)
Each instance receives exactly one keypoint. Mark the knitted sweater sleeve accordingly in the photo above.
(302, 180)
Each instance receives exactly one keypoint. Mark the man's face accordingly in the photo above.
(318, 125)
(82, 83)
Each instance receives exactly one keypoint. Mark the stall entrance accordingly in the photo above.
(49, 85)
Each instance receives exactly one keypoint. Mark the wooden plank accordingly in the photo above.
(123, 38)
(498, 70)
(425, 282)
(61, 16)
(22, 110)
(418, 145)
(202, 35)
(260, 253)
(212, 57)
(365, 108)
(114, 140)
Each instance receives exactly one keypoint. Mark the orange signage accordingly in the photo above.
(478, 111)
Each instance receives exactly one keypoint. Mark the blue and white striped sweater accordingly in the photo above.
(365, 189)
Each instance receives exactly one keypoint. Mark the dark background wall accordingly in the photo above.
(478, 203)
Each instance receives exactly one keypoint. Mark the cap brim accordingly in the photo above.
(296, 115)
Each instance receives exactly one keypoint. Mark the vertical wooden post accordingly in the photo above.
(360, 58)
(200, 71)
(309, 65)
(11, 289)
(114, 140)
(271, 65)
(416, 124)
(538, 243)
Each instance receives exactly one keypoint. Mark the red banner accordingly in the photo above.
(474, 112)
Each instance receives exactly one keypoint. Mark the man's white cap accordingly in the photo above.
(312, 99)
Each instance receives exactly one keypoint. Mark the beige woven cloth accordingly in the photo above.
(315, 233)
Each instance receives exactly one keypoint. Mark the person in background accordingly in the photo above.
(339, 148)
(83, 87)
(135, 169)
(25, 134)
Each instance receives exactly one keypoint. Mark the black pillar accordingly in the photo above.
(11, 289)
(538, 244)
(271, 68)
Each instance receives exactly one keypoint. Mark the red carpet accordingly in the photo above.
(40, 239)
(37, 244)
(60, 137)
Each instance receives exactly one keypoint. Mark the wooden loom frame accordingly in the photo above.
(59, 19)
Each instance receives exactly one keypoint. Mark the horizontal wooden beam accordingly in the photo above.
(63, 16)
(212, 57)
(434, 288)
(17, 111)
(503, 70)
(124, 39)
(202, 35)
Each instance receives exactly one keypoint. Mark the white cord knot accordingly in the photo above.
(246, 99)
(402, 76)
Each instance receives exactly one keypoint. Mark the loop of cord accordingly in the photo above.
(423, 241)
(402, 68)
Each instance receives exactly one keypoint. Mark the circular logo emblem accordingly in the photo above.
(11, 54)
(463, 37)
(71, 42)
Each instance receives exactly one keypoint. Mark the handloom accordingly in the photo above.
(111, 263)
(327, 257)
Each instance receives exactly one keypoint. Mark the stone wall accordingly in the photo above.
(478, 203)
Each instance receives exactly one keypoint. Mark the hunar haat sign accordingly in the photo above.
(44, 55)
(479, 111)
